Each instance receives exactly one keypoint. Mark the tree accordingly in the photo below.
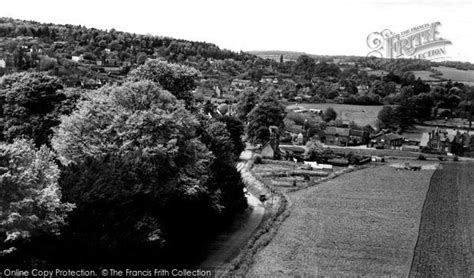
(330, 114)
(467, 105)
(305, 66)
(235, 127)
(420, 87)
(134, 149)
(30, 195)
(247, 101)
(180, 80)
(422, 105)
(268, 112)
(386, 118)
(407, 79)
(324, 69)
(397, 119)
(30, 105)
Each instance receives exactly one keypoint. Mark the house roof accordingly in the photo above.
(337, 131)
(378, 134)
(295, 129)
(393, 136)
(425, 138)
(356, 132)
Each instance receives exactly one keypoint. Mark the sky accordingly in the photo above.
(330, 27)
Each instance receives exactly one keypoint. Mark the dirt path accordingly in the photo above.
(445, 242)
(363, 223)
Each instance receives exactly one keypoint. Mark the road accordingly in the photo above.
(228, 244)
(445, 246)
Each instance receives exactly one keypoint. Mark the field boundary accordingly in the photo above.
(421, 218)
(333, 176)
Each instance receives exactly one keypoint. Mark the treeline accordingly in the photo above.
(397, 66)
(126, 174)
(93, 42)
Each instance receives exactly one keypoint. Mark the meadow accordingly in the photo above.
(442, 73)
(456, 74)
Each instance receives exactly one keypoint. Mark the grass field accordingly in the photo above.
(425, 75)
(445, 241)
(456, 74)
(363, 223)
(360, 114)
(465, 76)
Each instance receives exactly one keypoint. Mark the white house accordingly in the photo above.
(77, 58)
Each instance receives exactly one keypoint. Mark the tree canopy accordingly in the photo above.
(180, 80)
(30, 105)
(268, 112)
(30, 196)
(136, 148)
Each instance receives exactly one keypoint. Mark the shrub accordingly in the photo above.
(258, 159)
(421, 157)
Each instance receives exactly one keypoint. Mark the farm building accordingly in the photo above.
(337, 136)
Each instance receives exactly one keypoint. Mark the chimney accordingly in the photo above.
(275, 141)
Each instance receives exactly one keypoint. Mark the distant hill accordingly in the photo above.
(276, 54)
(80, 55)
(293, 55)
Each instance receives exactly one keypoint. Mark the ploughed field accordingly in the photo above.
(446, 237)
(363, 223)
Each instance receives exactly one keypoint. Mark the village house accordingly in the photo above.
(77, 58)
(447, 141)
(337, 136)
(240, 84)
(362, 89)
(384, 140)
(271, 149)
(437, 140)
(357, 137)
(297, 134)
